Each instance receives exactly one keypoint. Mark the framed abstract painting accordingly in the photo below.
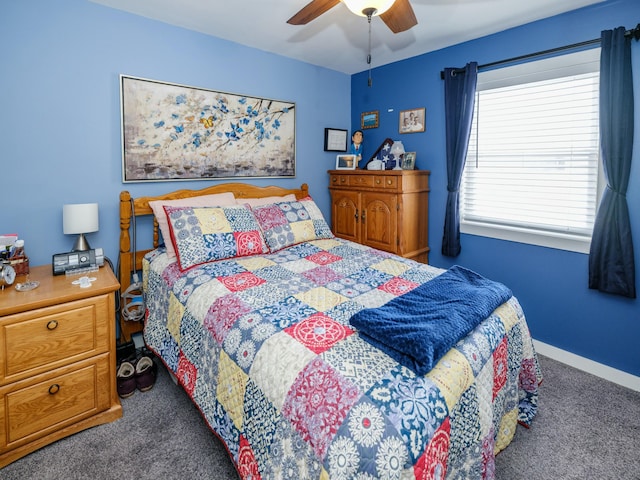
(176, 132)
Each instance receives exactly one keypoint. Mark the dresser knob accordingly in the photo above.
(388, 182)
(378, 181)
(52, 325)
(343, 180)
(53, 389)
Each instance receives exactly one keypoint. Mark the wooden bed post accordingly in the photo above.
(127, 328)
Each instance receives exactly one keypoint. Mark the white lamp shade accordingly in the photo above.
(357, 6)
(80, 218)
(397, 149)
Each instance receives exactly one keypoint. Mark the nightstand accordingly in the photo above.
(57, 360)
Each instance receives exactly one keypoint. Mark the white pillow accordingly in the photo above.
(214, 200)
(256, 202)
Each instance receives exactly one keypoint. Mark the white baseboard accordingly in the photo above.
(581, 363)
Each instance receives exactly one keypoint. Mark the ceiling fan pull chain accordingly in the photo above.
(369, 14)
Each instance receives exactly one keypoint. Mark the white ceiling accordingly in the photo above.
(338, 39)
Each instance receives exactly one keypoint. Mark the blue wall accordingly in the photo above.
(60, 116)
(550, 284)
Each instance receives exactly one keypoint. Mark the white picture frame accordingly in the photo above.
(346, 162)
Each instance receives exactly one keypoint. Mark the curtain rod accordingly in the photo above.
(635, 33)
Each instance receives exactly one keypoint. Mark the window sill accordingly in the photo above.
(571, 243)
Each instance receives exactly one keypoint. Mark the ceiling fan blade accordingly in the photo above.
(311, 11)
(400, 16)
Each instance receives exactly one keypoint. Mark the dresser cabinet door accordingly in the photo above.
(346, 214)
(380, 221)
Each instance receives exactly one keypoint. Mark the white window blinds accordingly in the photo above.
(531, 172)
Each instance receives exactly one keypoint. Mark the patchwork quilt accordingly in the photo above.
(264, 347)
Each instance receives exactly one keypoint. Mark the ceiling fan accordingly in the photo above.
(397, 15)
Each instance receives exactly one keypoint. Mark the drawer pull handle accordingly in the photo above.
(378, 181)
(53, 389)
(388, 182)
(52, 325)
(343, 180)
(356, 216)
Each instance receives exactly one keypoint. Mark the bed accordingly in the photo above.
(258, 328)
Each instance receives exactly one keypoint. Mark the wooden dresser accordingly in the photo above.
(384, 209)
(57, 360)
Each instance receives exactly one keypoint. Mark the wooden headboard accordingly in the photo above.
(130, 207)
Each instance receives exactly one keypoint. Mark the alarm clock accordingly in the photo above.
(7, 274)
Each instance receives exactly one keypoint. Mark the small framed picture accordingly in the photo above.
(412, 121)
(409, 161)
(335, 140)
(369, 119)
(346, 162)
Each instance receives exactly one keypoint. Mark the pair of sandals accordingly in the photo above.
(137, 374)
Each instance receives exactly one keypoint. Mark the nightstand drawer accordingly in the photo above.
(63, 396)
(49, 337)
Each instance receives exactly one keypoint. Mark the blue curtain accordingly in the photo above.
(459, 99)
(611, 264)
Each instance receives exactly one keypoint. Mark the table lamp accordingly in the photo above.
(397, 150)
(80, 218)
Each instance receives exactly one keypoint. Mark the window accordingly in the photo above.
(532, 168)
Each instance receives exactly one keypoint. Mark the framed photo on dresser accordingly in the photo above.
(346, 162)
(408, 161)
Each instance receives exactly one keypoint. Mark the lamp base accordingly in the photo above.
(81, 244)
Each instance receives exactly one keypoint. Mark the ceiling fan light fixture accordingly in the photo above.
(359, 7)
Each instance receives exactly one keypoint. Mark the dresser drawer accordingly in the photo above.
(339, 181)
(34, 407)
(361, 181)
(386, 182)
(351, 181)
(369, 181)
(49, 337)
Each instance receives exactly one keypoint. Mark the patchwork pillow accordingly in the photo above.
(205, 234)
(288, 223)
(212, 200)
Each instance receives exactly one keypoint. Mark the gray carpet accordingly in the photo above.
(586, 428)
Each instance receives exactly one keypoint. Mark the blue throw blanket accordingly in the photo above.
(419, 327)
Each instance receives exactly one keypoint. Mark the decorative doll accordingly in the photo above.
(356, 145)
